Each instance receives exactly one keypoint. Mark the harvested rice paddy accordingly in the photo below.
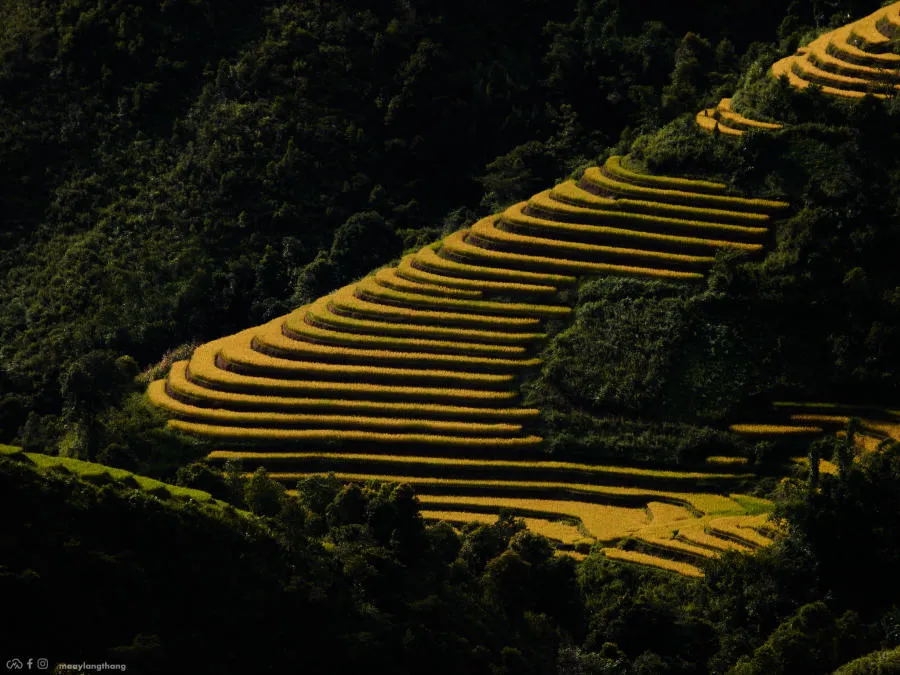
(562, 532)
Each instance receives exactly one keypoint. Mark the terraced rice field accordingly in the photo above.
(675, 525)
(723, 120)
(413, 372)
(874, 425)
(852, 61)
(825, 466)
(645, 559)
(861, 58)
(811, 418)
(773, 430)
(557, 530)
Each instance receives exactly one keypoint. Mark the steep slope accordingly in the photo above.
(425, 358)
(428, 353)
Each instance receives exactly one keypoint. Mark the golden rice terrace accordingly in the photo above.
(413, 373)
(724, 120)
(855, 60)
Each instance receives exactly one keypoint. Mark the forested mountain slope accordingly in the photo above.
(400, 362)
(414, 359)
(412, 204)
(172, 173)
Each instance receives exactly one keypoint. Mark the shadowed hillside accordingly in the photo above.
(451, 337)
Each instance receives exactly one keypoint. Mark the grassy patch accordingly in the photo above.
(753, 505)
(91, 472)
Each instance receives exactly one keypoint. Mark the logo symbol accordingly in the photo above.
(14, 664)
(43, 664)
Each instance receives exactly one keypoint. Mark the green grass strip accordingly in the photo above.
(647, 560)
(865, 33)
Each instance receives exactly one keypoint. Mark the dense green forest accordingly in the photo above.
(173, 172)
(162, 190)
